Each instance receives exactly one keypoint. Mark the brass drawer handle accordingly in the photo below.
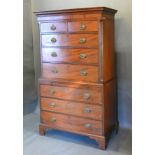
(53, 40)
(54, 70)
(86, 96)
(87, 110)
(82, 26)
(87, 125)
(53, 119)
(83, 73)
(53, 27)
(52, 104)
(51, 91)
(82, 40)
(82, 56)
(54, 54)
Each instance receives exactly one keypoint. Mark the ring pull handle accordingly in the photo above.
(82, 56)
(82, 40)
(51, 91)
(52, 104)
(87, 110)
(83, 73)
(53, 119)
(53, 40)
(86, 96)
(54, 70)
(87, 125)
(54, 54)
(82, 26)
(53, 27)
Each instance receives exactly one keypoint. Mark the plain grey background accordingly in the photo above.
(123, 46)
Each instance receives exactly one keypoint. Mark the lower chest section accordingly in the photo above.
(72, 108)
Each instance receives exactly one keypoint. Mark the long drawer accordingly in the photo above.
(87, 95)
(70, 123)
(72, 108)
(70, 72)
(75, 40)
(82, 56)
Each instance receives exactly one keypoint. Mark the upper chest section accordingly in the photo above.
(73, 20)
(69, 23)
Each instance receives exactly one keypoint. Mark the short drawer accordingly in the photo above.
(72, 108)
(83, 26)
(70, 123)
(87, 95)
(53, 27)
(85, 56)
(70, 72)
(75, 40)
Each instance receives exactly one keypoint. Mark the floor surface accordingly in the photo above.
(63, 143)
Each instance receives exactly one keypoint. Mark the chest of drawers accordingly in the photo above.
(77, 87)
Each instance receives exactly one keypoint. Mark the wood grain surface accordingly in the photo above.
(59, 26)
(87, 26)
(87, 95)
(72, 123)
(58, 55)
(70, 72)
(70, 40)
(71, 108)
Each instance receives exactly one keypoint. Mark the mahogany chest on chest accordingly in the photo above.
(77, 87)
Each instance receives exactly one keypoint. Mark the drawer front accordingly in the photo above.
(83, 26)
(70, 123)
(85, 56)
(89, 95)
(76, 40)
(70, 72)
(53, 27)
(72, 108)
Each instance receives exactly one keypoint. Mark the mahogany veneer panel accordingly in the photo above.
(59, 55)
(70, 40)
(59, 27)
(71, 108)
(88, 26)
(75, 94)
(70, 72)
(71, 123)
